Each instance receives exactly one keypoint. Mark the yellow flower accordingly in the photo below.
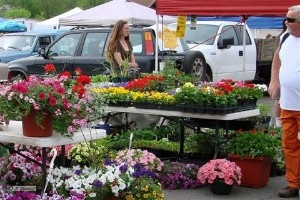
(146, 188)
(188, 84)
(146, 196)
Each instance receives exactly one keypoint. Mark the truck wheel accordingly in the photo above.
(194, 63)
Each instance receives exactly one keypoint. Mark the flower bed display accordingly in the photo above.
(223, 97)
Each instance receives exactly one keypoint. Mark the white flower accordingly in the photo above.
(262, 87)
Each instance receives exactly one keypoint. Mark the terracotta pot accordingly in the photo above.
(32, 129)
(255, 171)
(220, 188)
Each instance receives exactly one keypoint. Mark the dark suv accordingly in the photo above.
(85, 48)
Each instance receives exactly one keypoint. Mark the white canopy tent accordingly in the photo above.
(110, 12)
(54, 21)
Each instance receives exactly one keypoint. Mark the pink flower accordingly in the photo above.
(220, 170)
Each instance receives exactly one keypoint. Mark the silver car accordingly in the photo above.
(4, 72)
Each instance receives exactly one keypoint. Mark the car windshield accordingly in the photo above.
(201, 34)
(16, 42)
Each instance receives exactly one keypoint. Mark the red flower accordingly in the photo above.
(42, 96)
(52, 101)
(49, 68)
(79, 89)
(65, 73)
(84, 79)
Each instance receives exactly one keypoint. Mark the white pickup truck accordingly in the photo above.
(226, 54)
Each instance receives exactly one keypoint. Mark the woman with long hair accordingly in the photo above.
(119, 49)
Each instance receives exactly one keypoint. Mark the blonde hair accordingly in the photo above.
(296, 9)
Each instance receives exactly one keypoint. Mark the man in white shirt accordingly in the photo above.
(286, 76)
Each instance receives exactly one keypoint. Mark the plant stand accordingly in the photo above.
(255, 171)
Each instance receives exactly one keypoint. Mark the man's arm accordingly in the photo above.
(274, 83)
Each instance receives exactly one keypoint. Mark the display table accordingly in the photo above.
(215, 119)
(13, 134)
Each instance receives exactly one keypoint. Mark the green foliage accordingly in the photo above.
(254, 144)
(264, 109)
(45, 9)
(17, 13)
(174, 77)
(200, 143)
(101, 78)
(3, 151)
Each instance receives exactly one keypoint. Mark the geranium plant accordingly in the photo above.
(220, 170)
(66, 97)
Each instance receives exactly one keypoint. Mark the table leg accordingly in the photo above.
(217, 131)
(44, 171)
(181, 145)
(62, 155)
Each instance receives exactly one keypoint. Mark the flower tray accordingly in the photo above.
(120, 104)
(220, 111)
(144, 105)
(246, 104)
(206, 110)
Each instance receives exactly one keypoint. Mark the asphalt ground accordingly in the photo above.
(268, 192)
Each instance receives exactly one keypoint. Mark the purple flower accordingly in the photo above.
(78, 171)
(98, 183)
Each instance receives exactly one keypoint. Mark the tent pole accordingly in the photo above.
(244, 44)
(156, 44)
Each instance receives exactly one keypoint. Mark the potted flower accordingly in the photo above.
(253, 151)
(145, 188)
(178, 175)
(57, 102)
(221, 175)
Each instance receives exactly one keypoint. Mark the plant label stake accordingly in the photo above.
(130, 140)
(54, 153)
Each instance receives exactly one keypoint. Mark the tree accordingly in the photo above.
(17, 13)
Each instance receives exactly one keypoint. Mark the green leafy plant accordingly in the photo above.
(145, 188)
(255, 143)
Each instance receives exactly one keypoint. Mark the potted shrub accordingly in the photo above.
(221, 175)
(253, 151)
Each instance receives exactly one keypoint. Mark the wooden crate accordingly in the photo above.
(265, 49)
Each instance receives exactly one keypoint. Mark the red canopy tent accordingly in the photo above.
(224, 7)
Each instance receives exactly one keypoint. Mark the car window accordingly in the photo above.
(239, 29)
(17, 42)
(43, 42)
(65, 46)
(201, 34)
(136, 42)
(94, 44)
(228, 32)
